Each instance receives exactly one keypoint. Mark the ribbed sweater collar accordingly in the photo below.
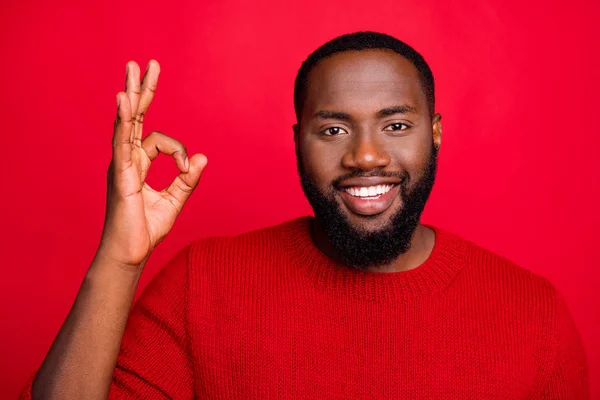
(435, 274)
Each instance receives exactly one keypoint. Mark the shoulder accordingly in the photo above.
(259, 244)
(499, 279)
(513, 298)
(234, 267)
(517, 300)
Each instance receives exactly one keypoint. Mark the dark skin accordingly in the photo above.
(81, 362)
(366, 110)
(82, 359)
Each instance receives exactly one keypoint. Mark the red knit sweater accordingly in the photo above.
(266, 315)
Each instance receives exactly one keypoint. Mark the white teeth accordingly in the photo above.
(370, 191)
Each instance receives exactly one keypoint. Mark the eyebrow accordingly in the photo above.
(324, 114)
(386, 112)
(403, 109)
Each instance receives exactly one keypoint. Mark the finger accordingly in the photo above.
(183, 186)
(121, 135)
(148, 88)
(158, 142)
(132, 86)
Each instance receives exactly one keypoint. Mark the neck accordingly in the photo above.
(421, 246)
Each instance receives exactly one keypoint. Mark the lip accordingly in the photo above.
(369, 206)
(368, 181)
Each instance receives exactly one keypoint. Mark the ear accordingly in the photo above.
(296, 129)
(437, 130)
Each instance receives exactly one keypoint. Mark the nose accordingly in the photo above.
(365, 153)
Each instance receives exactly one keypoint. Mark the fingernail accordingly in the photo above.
(187, 163)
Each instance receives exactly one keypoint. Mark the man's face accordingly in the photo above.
(367, 148)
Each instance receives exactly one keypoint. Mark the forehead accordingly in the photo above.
(363, 81)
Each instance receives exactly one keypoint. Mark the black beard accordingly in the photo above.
(359, 248)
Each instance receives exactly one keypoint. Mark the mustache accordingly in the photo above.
(400, 175)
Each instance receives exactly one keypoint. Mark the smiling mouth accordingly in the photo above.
(370, 200)
(368, 192)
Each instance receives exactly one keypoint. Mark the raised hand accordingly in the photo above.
(137, 216)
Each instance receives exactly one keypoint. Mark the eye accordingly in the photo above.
(396, 126)
(333, 131)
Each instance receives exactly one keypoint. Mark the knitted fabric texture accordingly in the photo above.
(266, 315)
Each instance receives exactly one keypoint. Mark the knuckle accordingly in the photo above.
(150, 88)
(184, 187)
(126, 119)
(178, 148)
(124, 141)
(169, 144)
(152, 136)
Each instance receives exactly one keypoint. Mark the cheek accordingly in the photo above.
(412, 155)
(321, 162)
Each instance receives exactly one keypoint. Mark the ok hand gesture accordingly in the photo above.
(137, 216)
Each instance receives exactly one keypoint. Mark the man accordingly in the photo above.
(361, 301)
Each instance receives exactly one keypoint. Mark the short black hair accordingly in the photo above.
(363, 41)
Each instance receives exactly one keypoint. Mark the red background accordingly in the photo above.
(517, 85)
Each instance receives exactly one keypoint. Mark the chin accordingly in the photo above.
(371, 223)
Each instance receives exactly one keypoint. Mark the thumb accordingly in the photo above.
(185, 183)
(197, 164)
